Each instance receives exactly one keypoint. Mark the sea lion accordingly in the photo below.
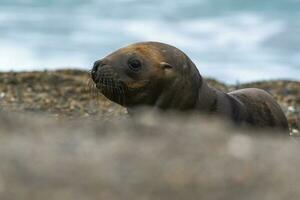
(162, 76)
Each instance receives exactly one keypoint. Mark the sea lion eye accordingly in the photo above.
(134, 64)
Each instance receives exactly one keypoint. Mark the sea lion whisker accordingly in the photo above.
(124, 96)
(107, 89)
(91, 87)
(123, 93)
(111, 88)
(118, 91)
(101, 83)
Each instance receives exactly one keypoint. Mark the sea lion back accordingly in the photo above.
(262, 109)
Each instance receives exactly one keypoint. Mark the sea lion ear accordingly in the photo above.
(165, 65)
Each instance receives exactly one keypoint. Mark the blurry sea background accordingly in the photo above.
(230, 40)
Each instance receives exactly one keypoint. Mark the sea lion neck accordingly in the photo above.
(182, 93)
(206, 97)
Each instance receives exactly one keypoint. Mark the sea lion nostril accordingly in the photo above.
(94, 71)
(96, 65)
(95, 68)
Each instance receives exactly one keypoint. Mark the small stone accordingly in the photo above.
(291, 109)
(295, 133)
(2, 95)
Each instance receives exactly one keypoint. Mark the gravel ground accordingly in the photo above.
(66, 94)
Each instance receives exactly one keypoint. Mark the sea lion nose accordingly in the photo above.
(95, 68)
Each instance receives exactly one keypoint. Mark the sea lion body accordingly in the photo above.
(162, 76)
(261, 108)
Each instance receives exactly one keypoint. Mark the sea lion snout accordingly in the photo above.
(102, 70)
(95, 71)
(107, 81)
(103, 75)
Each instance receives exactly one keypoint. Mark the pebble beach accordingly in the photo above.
(68, 94)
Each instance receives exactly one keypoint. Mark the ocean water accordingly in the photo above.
(231, 40)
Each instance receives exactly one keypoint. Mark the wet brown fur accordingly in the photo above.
(181, 87)
(262, 110)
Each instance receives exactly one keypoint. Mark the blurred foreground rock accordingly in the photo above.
(149, 157)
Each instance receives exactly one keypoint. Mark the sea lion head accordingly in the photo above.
(148, 74)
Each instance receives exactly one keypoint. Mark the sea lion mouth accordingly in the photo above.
(107, 82)
(112, 89)
(116, 90)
